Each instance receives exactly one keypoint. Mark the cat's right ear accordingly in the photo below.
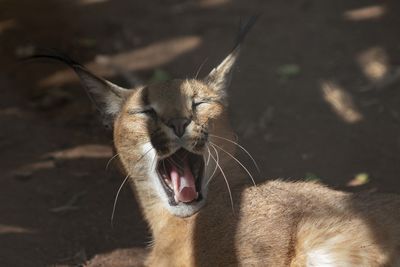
(106, 96)
(219, 78)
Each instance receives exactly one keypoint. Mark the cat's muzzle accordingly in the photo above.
(181, 175)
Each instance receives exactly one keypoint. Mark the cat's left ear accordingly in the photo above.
(220, 77)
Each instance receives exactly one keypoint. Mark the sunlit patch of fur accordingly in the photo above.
(334, 240)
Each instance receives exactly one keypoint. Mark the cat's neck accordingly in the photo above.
(169, 230)
(220, 201)
(175, 236)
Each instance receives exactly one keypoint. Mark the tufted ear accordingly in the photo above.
(219, 78)
(106, 96)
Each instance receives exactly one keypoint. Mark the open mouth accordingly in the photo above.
(181, 175)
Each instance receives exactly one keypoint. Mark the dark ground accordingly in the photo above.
(316, 95)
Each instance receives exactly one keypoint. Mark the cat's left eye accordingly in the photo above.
(147, 111)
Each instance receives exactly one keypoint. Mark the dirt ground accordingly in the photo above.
(315, 96)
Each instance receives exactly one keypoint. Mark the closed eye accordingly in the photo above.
(149, 111)
(198, 103)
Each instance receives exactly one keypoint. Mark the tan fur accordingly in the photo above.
(273, 224)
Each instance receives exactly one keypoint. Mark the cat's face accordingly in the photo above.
(163, 132)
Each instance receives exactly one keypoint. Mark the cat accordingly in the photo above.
(177, 149)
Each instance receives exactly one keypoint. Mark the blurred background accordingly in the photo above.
(315, 96)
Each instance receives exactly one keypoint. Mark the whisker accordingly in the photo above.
(270, 191)
(144, 154)
(116, 199)
(109, 161)
(120, 188)
(199, 69)
(208, 159)
(226, 181)
(154, 161)
(194, 144)
(233, 157)
(216, 166)
(247, 152)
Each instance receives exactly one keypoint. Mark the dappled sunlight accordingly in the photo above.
(148, 57)
(62, 180)
(359, 179)
(27, 170)
(126, 257)
(95, 151)
(365, 13)
(13, 229)
(341, 102)
(374, 63)
(83, 151)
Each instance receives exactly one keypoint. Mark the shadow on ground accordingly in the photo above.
(315, 96)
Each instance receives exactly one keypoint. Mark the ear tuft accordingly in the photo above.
(219, 78)
(106, 96)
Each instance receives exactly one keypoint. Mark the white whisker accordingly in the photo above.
(233, 157)
(247, 152)
(226, 181)
(109, 161)
(120, 188)
(209, 153)
(216, 166)
(116, 198)
(154, 161)
(199, 69)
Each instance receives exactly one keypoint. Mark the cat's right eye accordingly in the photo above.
(196, 104)
(148, 111)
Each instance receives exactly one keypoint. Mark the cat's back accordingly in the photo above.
(307, 224)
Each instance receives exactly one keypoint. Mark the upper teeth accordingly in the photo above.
(167, 181)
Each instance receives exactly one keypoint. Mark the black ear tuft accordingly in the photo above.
(55, 56)
(220, 77)
(244, 28)
(106, 96)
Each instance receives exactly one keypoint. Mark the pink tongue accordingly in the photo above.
(183, 183)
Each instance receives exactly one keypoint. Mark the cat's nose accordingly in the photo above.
(178, 125)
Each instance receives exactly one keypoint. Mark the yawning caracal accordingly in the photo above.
(177, 149)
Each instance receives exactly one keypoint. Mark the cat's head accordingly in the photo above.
(163, 132)
(167, 134)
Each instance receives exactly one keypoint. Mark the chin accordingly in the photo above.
(184, 210)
